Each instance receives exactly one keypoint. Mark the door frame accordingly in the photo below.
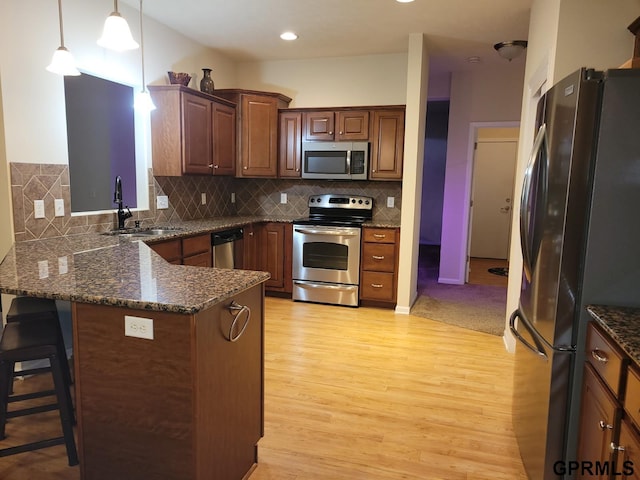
(473, 138)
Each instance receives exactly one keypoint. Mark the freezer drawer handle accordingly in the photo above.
(538, 349)
(599, 355)
(237, 310)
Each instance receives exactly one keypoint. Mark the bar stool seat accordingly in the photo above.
(30, 308)
(35, 339)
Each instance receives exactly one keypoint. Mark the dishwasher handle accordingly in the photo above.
(226, 236)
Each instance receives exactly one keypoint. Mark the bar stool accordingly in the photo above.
(23, 341)
(29, 308)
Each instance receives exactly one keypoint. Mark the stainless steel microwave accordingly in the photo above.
(335, 160)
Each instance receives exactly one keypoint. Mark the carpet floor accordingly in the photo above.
(475, 307)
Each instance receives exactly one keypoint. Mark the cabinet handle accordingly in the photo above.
(215, 166)
(237, 310)
(377, 285)
(614, 447)
(211, 165)
(604, 426)
(599, 355)
(379, 235)
(377, 257)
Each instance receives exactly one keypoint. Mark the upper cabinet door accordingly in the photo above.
(224, 139)
(197, 143)
(319, 126)
(289, 151)
(353, 125)
(387, 146)
(259, 136)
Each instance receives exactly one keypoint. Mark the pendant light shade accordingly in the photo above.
(116, 34)
(143, 100)
(62, 62)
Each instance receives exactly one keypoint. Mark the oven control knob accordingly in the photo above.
(366, 202)
(360, 201)
(353, 200)
(312, 200)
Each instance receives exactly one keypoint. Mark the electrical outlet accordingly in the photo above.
(233, 197)
(38, 208)
(59, 207)
(283, 198)
(138, 327)
(203, 198)
(162, 202)
(63, 266)
(43, 269)
(391, 202)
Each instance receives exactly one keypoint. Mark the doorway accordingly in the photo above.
(494, 165)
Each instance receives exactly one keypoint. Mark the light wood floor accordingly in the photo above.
(361, 394)
(479, 271)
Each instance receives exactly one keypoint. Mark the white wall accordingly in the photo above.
(33, 98)
(331, 82)
(485, 94)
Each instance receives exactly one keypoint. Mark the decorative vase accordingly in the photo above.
(206, 84)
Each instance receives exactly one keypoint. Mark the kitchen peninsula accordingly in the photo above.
(168, 359)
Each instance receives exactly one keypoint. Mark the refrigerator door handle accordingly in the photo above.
(538, 348)
(526, 198)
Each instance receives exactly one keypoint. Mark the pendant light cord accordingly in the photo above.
(60, 19)
(144, 86)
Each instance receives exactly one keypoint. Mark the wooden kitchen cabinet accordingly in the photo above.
(257, 127)
(340, 125)
(191, 132)
(194, 250)
(249, 248)
(608, 404)
(290, 144)
(379, 265)
(599, 414)
(276, 241)
(190, 407)
(387, 144)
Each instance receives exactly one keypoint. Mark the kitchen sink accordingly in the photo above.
(143, 232)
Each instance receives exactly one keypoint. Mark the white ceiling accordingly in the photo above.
(248, 30)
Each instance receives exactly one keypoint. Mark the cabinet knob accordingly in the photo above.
(297, 169)
(245, 168)
(211, 165)
(614, 447)
(374, 170)
(215, 166)
(330, 133)
(341, 133)
(604, 426)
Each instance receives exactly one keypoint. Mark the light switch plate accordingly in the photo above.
(138, 327)
(59, 207)
(233, 197)
(391, 202)
(38, 208)
(203, 198)
(283, 198)
(162, 202)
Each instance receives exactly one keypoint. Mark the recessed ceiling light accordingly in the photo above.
(473, 59)
(404, 1)
(288, 36)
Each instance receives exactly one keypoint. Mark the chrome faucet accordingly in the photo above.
(117, 198)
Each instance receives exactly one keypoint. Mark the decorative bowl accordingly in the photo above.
(179, 78)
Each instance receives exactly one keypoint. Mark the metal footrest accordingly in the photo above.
(29, 447)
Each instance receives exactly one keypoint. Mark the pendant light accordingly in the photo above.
(143, 100)
(116, 34)
(62, 62)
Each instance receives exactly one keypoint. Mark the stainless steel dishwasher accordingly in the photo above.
(223, 247)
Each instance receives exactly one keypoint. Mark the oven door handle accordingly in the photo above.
(324, 286)
(337, 233)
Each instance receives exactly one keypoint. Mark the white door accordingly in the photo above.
(493, 177)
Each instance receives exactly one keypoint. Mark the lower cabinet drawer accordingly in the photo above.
(632, 397)
(377, 286)
(379, 257)
(200, 260)
(197, 244)
(605, 357)
(170, 250)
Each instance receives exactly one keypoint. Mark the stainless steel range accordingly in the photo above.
(326, 249)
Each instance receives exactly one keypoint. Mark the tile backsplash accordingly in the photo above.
(260, 197)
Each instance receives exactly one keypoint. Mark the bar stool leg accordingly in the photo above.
(65, 408)
(5, 377)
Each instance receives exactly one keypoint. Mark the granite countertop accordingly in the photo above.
(114, 270)
(623, 324)
(111, 270)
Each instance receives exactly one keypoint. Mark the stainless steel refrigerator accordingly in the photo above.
(580, 236)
